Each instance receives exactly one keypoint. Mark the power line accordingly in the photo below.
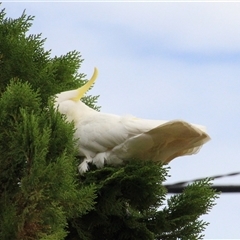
(219, 188)
(180, 186)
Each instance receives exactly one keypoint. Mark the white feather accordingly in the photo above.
(112, 139)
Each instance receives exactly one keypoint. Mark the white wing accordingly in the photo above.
(113, 139)
(161, 144)
(99, 132)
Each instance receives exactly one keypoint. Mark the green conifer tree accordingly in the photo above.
(42, 196)
(39, 189)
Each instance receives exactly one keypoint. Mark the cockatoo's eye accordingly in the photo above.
(82, 90)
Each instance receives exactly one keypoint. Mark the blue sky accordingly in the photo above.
(161, 61)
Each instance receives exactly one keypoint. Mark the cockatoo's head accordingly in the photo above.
(69, 104)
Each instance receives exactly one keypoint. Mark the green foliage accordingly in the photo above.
(184, 210)
(38, 177)
(127, 198)
(39, 189)
(42, 196)
(130, 205)
(23, 57)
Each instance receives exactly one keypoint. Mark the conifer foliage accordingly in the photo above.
(42, 196)
(39, 189)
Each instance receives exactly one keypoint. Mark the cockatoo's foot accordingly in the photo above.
(83, 167)
(99, 159)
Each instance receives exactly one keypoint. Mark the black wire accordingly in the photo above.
(218, 188)
(180, 186)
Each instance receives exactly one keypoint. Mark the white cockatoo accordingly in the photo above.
(112, 139)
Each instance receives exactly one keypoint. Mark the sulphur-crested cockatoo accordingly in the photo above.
(111, 139)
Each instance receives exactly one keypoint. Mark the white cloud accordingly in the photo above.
(185, 26)
(189, 26)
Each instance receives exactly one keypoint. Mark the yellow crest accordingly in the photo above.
(82, 90)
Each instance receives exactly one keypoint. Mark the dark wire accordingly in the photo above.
(180, 186)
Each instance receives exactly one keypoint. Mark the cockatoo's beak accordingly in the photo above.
(82, 90)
